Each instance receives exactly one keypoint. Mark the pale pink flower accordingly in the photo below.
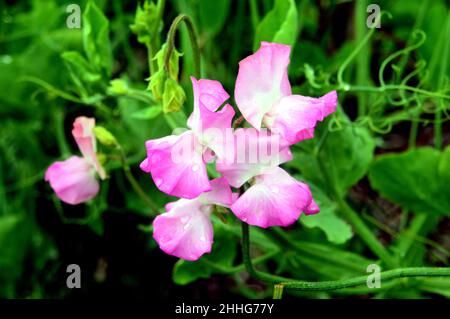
(185, 175)
(263, 95)
(185, 230)
(74, 180)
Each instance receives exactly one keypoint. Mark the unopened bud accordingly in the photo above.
(104, 136)
(173, 96)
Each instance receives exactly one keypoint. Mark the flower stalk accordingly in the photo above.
(284, 283)
(193, 37)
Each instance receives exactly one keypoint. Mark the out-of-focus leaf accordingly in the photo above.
(417, 180)
(440, 286)
(80, 71)
(185, 272)
(212, 15)
(14, 231)
(331, 262)
(96, 38)
(279, 25)
(336, 229)
(345, 153)
(147, 113)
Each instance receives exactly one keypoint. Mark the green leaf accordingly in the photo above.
(14, 235)
(96, 38)
(346, 154)
(147, 113)
(186, 272)
(280, 25)
(336, 229)
(81, 72)
(440, 286)
(417, 180)
(212, 15)
(331, 262)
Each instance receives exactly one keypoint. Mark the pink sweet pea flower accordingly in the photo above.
(177, 162)
(83, 133)
(263, 95)
(73, 180)
(251, 153)
(185, 230)
(274, 199)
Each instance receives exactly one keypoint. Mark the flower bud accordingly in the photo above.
(156, 84)
(105, 137)
(173, 61)
(118, 87)
(173, 96)
(145, 22)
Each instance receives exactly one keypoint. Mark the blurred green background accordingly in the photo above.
(49, 76)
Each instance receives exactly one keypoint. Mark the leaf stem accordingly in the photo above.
(134, 184)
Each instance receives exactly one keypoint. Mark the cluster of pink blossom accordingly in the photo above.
(273, 198)
(248, 155)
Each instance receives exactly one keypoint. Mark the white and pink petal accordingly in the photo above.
(295, 117)
(185, 231)
(261, 81)
(275, 199)
(73, 180)
(251, 153)
(83, 133)
(176, 165)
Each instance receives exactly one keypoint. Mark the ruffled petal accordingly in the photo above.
(220, 193)
(262, 80)
(312, 209)
(185, 231)
(294, 117)
(275, 199)
(251, 153)
(214, 128)
(73, 180)
(210, 95)
(176, 165)
(84, 136)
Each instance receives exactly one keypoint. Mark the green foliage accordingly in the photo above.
(212, 15)
(96, 38)
(350, 148)
(393, 91)
(336, 229)
(222, 257)
(279, 25)
(417, 179)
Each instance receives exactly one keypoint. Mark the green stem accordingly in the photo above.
(362, 60)
(362, 280)
(443, 70)
(134, 184)
(365, 233)
(193, 37)
(283, 282)
(254, 14)
(248, 261)
(358, 224)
